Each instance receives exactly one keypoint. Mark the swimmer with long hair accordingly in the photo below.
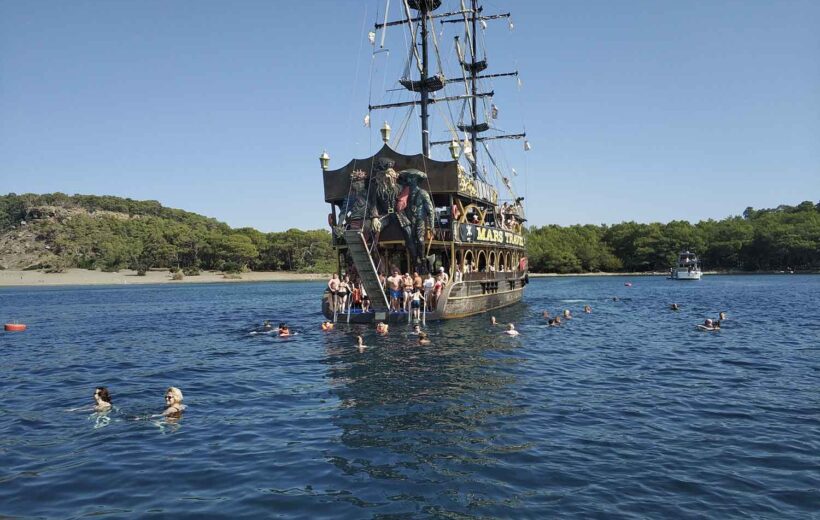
(102, 399)
(360, 343)
(173, 402)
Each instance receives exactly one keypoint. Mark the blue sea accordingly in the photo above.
(627, 412)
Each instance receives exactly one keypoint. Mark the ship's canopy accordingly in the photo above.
(444, 178)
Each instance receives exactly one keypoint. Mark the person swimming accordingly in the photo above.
(102, 399)
(555, 322)
(360, 343)
(284, 330)
(567, 314)
(511, 330)
(416, 330)
(266, 325)
(722, 315)
(382, 327)
(545, 315)
(327, 325)
(423, 339)
(587, 309)
(674, 307)
(173, 402)
(709, 325)
(492, 321)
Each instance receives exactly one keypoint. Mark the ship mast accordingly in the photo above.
(425, 130)
(473, 86)
(428, 84)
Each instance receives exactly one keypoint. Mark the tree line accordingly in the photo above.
(785, 237)
(112, 233)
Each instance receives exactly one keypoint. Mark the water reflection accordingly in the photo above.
(424, 414)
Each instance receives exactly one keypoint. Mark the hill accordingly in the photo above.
(57, 231)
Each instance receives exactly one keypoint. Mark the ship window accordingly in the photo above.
(482, 262)
(469, 261)
(491, 262)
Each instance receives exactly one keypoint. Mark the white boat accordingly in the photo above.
(688, 267)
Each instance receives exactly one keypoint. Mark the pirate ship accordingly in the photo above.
(394, 212)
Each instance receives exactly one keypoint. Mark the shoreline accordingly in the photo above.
(74, 276)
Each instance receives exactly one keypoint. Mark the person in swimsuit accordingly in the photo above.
(333, 286)
(173, 402)
(344, 289)
(587, 309)
(415, 303)
(365, 299)
(511, 330)
(102, 399)
(423, 339)
(360, 343)
(407, 284)
(396, 295)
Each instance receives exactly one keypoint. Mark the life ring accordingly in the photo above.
(15, 327)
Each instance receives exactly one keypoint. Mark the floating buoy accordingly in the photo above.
(15, 327)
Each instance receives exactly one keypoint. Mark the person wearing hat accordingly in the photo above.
(444, 276)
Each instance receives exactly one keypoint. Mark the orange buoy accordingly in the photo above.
(15, 327)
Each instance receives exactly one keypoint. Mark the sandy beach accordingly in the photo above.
(125, 277)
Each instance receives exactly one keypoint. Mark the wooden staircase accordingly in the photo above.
(359, 253)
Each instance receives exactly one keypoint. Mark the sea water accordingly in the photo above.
(627, 412)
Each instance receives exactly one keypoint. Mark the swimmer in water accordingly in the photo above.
(722, 316)
(423, 339)
(417, 330)
(511, 330)
(173, 402)
(492, 321)
(587, 309)
(555, 322)
(266, 325)
(567, 314)
(545, 315)
(382, 328)
(674, 307)
(284, 330)
(708, 325)
(327, 325)
(102, 399)
(614, 298)
(360, 343)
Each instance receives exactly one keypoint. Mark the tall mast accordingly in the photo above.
(473, 84)
(425, 131)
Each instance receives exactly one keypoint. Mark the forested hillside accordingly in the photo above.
(56, 231)
(786, 237)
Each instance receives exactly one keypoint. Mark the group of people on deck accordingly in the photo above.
(406, 292)
(347, 294)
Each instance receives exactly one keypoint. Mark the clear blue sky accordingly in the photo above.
(641, 110)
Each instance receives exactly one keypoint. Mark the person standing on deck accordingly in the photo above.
(429, 283)
(394, 285)
(333, 286)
